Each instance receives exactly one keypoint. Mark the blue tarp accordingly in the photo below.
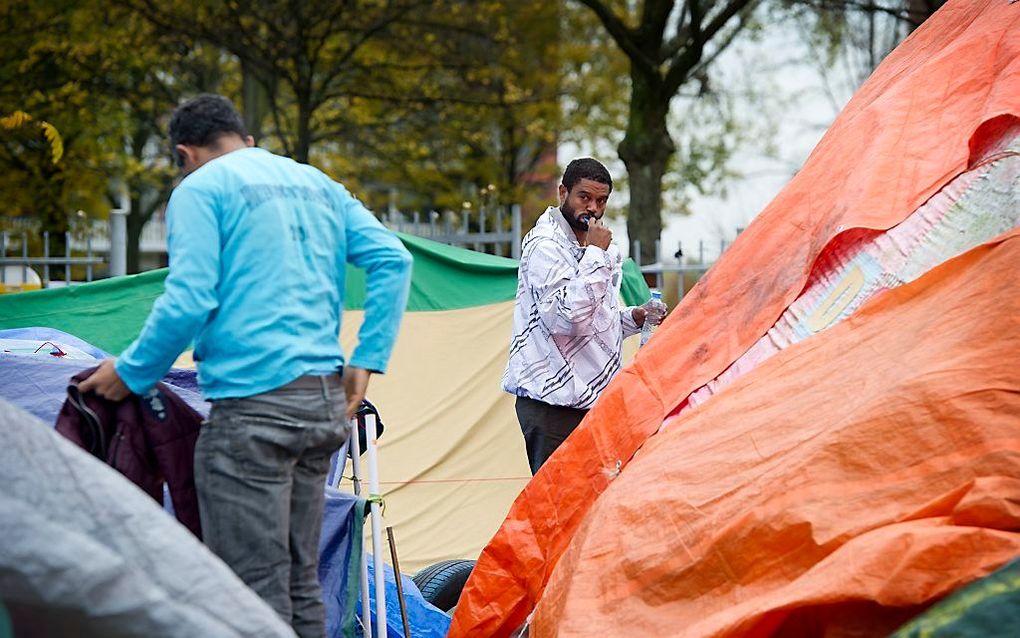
(49, 334)
(38, 383)
(339, 549)
(339, 559)
(424, 620)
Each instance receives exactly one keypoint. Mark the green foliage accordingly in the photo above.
(439, 101)
(595, 79)
(21, 120)
(106, 80)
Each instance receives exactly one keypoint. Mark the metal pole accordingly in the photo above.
(67, 255)
(636, 251)
(88, 256)
(481, 229)
(3, 257)
(118, 242)
(337, 476)
(515, 221)
(377, 525)
(24, 264)
(400, 585)
(499, 229)
(46, 256)
(366, 604)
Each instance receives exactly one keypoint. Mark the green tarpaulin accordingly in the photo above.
(988, 608)
(109, 314)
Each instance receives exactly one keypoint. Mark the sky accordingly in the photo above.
(802, 98)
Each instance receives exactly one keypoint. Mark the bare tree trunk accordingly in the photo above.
(921, 10)
(646, 150)
(303, 143)
(135, 223)
(255, 96)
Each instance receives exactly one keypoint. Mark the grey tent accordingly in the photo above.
(86, 553)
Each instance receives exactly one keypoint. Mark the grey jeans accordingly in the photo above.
(260, 470)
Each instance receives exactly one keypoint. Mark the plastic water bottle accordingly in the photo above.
(653, 307)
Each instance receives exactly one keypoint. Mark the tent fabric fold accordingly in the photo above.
(915, 125)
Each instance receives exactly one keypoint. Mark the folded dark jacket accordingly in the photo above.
(149, 439)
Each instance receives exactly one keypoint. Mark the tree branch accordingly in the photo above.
(624, 37)
(724, 43)
(903, 14)
(724, 16)
(683, 66)
(654, 16)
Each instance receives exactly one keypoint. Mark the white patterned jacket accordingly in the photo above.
(569, 325)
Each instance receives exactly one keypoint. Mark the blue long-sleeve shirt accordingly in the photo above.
(258, 245)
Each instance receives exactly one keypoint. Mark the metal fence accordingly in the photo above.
(27, 258)
(18, 271)
(152, 239)
(688, 267)
(483, 231)
(22, 268)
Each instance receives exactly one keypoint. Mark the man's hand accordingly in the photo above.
(599, 234)
(644, 313)
(355, 386)
(639, 315)
(106, 382)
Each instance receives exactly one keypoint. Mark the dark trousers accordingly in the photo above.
(545, 427)
(260, 471)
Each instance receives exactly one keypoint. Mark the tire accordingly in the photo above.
(441, 584)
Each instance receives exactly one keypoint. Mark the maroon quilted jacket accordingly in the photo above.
(149, 439)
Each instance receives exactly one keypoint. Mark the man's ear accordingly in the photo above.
(185, 154)
(563, 194)
(249, 141)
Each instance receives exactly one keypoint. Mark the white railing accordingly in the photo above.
(687, 266)
(483, 231)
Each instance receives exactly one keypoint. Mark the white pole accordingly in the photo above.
(366, 605)
(377, 525)
(118, 242)
(341, 465)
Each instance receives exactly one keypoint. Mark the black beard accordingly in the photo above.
(575, 223)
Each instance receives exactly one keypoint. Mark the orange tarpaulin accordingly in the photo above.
(878, 463)
(906, 133)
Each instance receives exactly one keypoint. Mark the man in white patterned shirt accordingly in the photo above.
(568, 323)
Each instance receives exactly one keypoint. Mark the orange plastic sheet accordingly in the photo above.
(835, 490)
(906, 133)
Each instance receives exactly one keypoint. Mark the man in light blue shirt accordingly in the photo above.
(258, 246)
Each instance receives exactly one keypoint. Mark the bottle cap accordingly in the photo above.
(656, 294)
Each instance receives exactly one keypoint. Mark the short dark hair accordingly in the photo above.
(586, 168)
(202, 120)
